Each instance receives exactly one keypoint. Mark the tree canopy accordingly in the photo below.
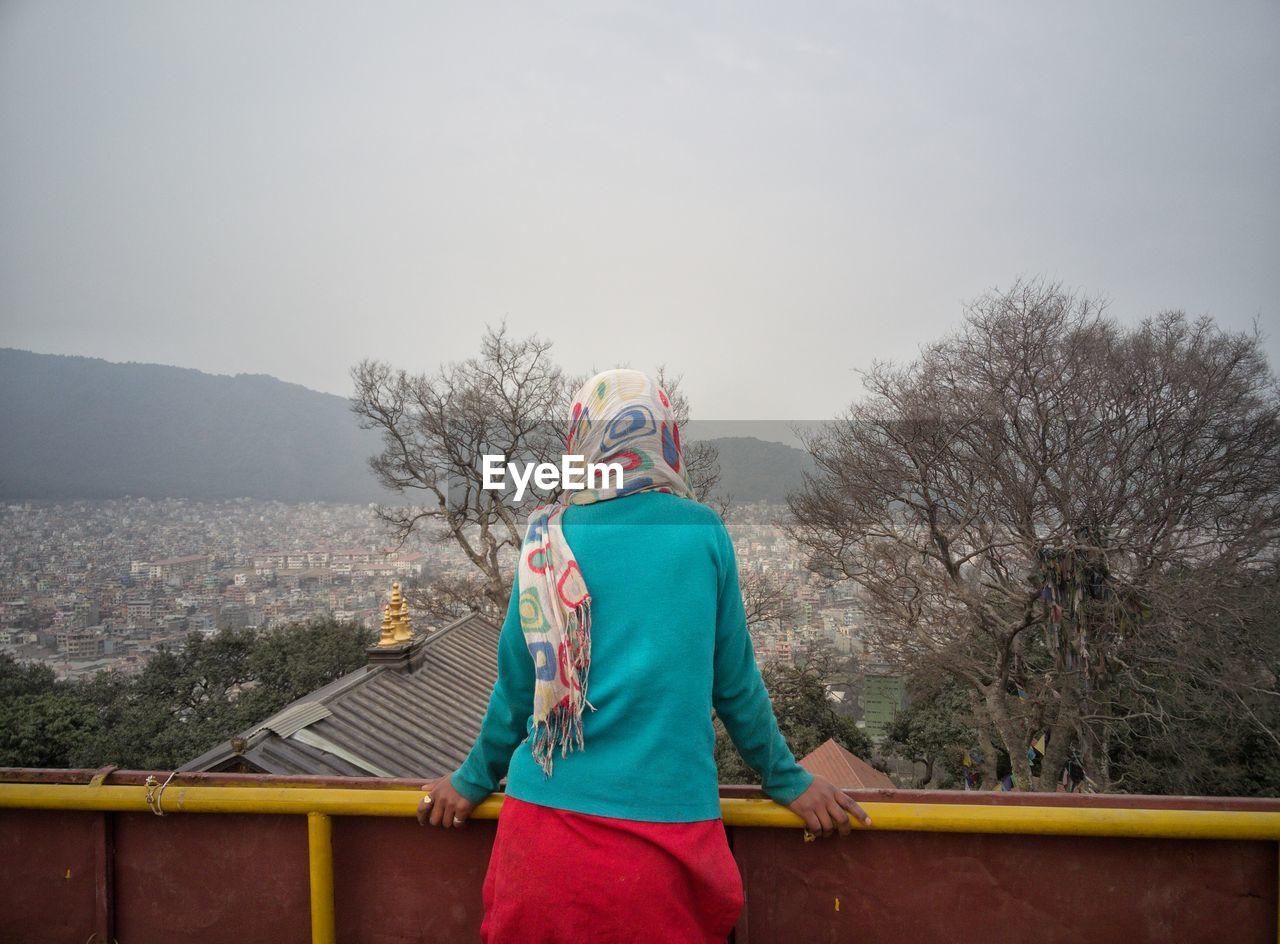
(805, 718)
(1076, 520)
(181, 704)
(511, 399)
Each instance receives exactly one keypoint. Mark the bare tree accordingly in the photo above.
(1046, 501)
(765, 597)
(508, 401)
(443, 597)
(511, 400)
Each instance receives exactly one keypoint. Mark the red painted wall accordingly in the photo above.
(217, 878)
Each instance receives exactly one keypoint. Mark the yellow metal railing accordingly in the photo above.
(320, 855)
(914, 817)
(319, 804)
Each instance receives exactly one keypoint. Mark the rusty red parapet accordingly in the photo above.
(133, 876)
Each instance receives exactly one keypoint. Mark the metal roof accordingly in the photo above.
(844, 769)
(381, 721)
(295, 717)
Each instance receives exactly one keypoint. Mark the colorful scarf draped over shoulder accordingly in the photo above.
(619, 416)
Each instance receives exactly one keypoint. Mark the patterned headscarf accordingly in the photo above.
(619, 416)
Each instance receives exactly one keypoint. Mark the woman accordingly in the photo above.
(610, 830)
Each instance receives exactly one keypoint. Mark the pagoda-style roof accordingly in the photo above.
(416, 717)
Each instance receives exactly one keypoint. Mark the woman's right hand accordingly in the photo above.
(825, 809)
(443, 805)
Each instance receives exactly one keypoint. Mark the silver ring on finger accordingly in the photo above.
(456, 821)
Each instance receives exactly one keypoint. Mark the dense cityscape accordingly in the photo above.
(89, 585)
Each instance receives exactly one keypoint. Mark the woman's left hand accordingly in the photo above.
(443, 805)
(825, 809)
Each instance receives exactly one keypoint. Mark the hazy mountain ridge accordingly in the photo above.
(81, 427)
(752, 469)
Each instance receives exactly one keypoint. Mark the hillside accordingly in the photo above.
(80, 427)
(755, 470)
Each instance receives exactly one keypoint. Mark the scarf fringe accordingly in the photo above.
(563, 725)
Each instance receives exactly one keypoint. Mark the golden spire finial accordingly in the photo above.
(401, 628)
(388, 637)
(404, 628)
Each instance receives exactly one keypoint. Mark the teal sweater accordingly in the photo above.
(669, 642)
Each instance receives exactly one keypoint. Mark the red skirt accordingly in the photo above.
(558, 876)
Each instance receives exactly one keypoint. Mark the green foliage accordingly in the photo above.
(42, 730)
(1215, 741)
(291, 661)
(18, 678)
(805, 718)
(934, 729)
(181, 704)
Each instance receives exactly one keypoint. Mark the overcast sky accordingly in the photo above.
(760, 196)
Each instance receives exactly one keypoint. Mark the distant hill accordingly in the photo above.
(754, 470)
(81, 427)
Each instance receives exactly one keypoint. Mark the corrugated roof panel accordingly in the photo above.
(311, 739)
(282, 756)
(295, 717)
(404, 724)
